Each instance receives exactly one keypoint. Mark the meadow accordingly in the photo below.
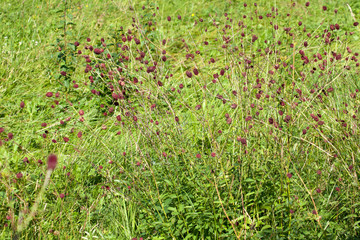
(179, 119)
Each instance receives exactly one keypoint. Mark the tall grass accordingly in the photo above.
(180, 120)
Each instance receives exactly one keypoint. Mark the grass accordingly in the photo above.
(255, 144)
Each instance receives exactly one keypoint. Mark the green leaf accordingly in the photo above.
(265, 227)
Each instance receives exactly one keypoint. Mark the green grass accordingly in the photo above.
(148, 181)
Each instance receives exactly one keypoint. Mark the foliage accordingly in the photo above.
(180, 120)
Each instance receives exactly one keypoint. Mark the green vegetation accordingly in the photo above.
(179, 119)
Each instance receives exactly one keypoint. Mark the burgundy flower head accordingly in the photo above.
(10, 135)
(52, 161)
(189, 74)
(97, 51)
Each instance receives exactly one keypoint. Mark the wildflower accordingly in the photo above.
(189, 74)
(52, 161)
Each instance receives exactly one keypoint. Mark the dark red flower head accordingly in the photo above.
(79, 134)
(97, 51)
(189, 74)
(52, 161)
(10, 135)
